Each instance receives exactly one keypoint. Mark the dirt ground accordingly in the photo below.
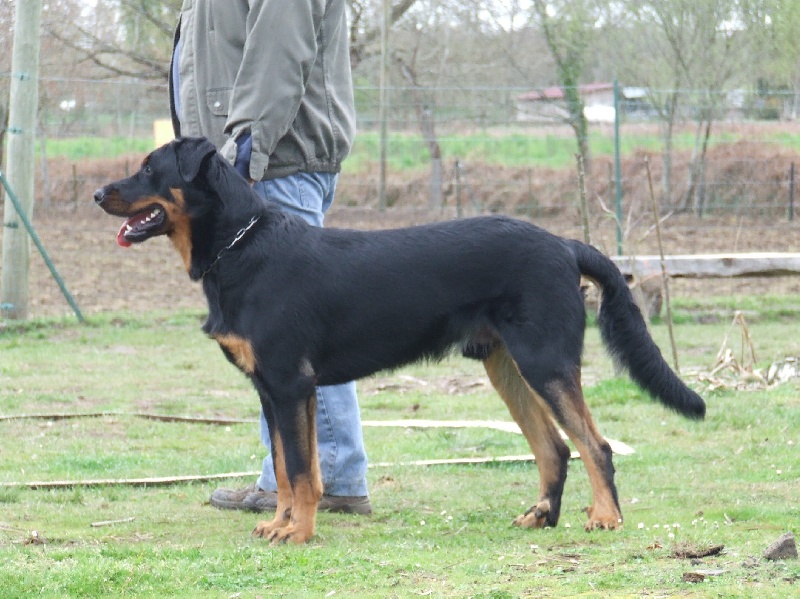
(101, 276)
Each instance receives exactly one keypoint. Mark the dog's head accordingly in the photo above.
(187, 191)
(154, 199)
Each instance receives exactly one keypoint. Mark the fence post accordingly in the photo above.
(791, 192)
(457, 168)
(24, 101)
(617, 169)
(383, 114)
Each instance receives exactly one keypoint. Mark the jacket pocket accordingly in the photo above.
(218, 101)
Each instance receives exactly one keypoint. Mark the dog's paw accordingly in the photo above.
(278, 535)
(535, 517)
(598, 520)
(264, 528)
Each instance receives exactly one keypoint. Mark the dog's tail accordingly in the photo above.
(625, 334)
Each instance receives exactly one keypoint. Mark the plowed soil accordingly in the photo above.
(748, 212)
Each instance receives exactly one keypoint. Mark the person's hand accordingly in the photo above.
(244, 147)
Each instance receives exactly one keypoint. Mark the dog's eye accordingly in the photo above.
(147, 170)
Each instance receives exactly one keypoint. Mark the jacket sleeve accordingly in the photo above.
(279, 52)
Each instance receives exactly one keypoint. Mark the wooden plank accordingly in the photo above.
(755, 264)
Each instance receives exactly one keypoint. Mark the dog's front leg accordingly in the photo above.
(297, 472)
(283, 512)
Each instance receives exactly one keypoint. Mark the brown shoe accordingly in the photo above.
(266, 501)
(234, 499)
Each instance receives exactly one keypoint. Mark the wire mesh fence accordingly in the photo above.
(503, 150)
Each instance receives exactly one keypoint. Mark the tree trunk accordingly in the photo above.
(427, 127)
(669, 128)
(579, 124)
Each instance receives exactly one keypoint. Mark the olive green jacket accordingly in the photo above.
(277, 69)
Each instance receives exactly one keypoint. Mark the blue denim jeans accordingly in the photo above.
(342, 458)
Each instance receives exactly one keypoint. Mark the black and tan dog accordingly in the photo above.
(294, 306)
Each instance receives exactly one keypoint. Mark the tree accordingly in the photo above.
(671, 46)
(365, 26)
(782, 22)
(424, 107)
(131, 38)
(568, 27)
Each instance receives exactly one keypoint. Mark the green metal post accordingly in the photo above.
(40, 247)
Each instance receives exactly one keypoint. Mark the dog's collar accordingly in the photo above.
(242, 232)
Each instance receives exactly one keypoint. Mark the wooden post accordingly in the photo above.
(383, 114)
(74, 185)
(664, 274)
(457, 169)
(791, 192)
(587, 238)
(21, 157)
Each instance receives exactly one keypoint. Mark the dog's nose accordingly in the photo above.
(99, 195)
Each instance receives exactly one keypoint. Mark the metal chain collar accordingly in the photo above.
(242, 232)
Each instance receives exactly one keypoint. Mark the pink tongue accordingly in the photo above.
(121, 241)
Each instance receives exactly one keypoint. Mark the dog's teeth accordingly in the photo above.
(128, 228)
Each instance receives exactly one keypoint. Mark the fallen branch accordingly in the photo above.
(617, 447)
(112, 522)
(132, 482)
(146, 416)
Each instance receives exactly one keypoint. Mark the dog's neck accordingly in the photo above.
(236, 239)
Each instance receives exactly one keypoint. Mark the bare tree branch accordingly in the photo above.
(362, 45)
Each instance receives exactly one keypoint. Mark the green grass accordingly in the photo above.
(408, 151)
(77, 148)
(440, 531)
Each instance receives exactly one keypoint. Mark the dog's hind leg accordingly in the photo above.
(530, 413)
(294, 437)
(556, 380)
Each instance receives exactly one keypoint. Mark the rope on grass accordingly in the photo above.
(617, 447)
(145, 415)
(510, 427)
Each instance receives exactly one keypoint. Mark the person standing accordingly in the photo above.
(269, 83)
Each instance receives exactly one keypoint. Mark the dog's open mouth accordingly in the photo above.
(141, 226)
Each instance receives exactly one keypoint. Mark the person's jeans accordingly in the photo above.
(342, 458)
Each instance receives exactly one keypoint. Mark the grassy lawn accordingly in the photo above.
(731, 480)
(409, 152)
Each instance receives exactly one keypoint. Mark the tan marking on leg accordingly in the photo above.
(306, 488)
(284, 510)
(240, 349)
(533, 418)
(580, 428)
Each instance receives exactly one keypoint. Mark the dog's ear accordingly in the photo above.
(191, 152)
